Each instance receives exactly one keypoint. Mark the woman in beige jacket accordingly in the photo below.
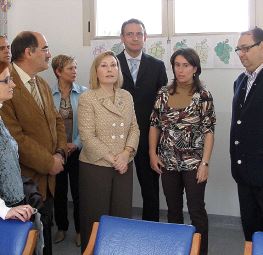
(109, 134)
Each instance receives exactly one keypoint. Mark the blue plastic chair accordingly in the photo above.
(119, 236)
(256, 246)
(16, 237)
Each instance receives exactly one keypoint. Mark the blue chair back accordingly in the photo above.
(13, 236)
(257, 241)
(120, 236)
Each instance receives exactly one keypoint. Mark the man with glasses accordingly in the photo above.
(246, 135)
(143, 76)
(5, 53)
(33, 121)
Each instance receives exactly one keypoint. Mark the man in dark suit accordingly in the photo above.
(33, 121)
(246, 135)
(143, 76)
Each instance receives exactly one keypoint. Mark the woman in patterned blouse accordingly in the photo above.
(182, 126)
(11, 185)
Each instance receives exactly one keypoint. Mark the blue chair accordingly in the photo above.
(256, 246)
(17, 237)
(118, 236)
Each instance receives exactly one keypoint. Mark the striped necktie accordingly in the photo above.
(133, 68)
(34, 93)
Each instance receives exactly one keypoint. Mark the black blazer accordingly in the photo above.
(246, 134)
(151, 77)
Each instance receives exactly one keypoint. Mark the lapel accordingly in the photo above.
(142, 67)
(125, 67)
(24, 93)
(116, 107)
(255, 88)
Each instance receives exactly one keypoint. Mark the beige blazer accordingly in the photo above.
(105, 126)
(37, 133)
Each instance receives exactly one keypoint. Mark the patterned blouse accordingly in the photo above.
(11, 185)
(182, 131)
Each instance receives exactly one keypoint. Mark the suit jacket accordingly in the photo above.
(38, 134)
(105, 126)
(246, 134)
(151, 77)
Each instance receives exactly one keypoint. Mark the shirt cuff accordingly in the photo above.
(3, 209)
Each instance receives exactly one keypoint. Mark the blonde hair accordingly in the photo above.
(60, 61)
(94, 81)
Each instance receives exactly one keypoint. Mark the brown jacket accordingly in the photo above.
(38, 134)
(105, 126)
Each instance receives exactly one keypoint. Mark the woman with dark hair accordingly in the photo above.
(182, 127)
(12, 196)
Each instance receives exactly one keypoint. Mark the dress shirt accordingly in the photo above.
(25, 78)
(251, 78)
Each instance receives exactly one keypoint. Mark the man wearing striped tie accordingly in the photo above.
(33, 121)
(143, 76)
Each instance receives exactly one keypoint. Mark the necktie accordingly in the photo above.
(34, 93)
(134, 68)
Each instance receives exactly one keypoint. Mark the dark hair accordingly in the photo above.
(130, 21)
(193, 59)
(257, 34)
(23, 40)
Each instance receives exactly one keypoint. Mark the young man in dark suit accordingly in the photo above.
(143, 76)
(246, 136)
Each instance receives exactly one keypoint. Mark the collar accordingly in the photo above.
(75, 88)
(101, 94)
(255, 73)
(22, 74)
(129, 57)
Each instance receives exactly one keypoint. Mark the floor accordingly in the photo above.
(225, 236)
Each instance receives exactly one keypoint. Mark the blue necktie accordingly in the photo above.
(134, 68)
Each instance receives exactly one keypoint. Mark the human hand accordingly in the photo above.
(202, 173)
(121, 161)
(156, 163)
(21, 212)
(71, 148)
(110, 158)
(57, 165)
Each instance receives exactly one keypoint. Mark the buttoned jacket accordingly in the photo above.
(106, 127)
(37, 133)
(151, 77)
(246, 135)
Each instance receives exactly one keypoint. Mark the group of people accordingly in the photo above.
(128, 113)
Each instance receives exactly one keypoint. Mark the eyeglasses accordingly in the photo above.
(132, 34)
(7, 80)
(245, 49)
(45, 49)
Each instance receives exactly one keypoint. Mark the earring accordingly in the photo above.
(194, 75)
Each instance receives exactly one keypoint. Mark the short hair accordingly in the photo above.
(3, 37)
(60, 61)
(130, 21)
(257, 34)
(23, 40)
(94, 81)
(193, 59)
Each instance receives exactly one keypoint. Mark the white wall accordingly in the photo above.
(61, 22)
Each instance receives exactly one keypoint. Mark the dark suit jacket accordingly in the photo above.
(151, 77)
(246, 134)
(38, 134)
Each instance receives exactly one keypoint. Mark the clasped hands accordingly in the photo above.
(119, 161)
